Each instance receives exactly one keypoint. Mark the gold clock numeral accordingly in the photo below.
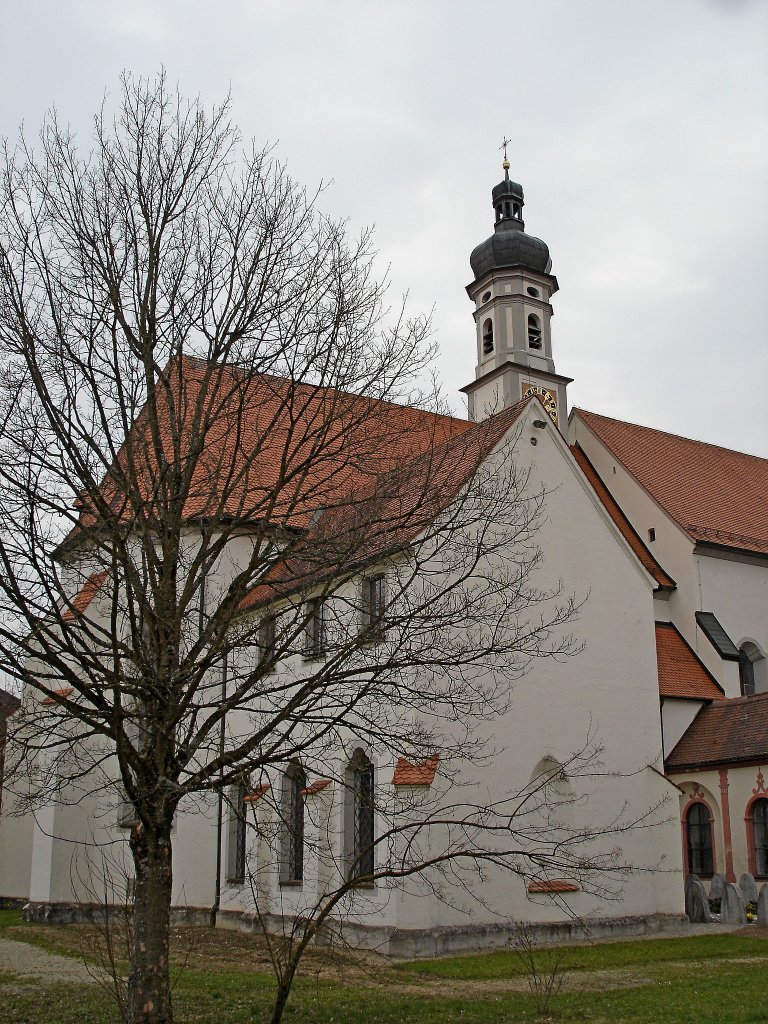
(548, 400)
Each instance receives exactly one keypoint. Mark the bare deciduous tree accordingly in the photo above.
(211, 427)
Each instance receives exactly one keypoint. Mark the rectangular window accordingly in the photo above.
(236, 836)
(315, 639)
(374, 599)
(292, 813)
(267, 633)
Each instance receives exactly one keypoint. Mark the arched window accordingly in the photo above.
(752, 669)
(487, 337)
(359, 815)
(534, 331)
(292, 814)
(698, 835)
(760, 837)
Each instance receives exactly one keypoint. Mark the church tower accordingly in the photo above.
(511, 293)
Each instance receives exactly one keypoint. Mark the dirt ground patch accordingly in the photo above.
(220, 951)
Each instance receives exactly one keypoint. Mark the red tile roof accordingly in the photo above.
(257, 793)
(421, 774)
(284, 448)
(83, 598)
(316, 787)
(8, 703)
(58, 695)
(728, 732)
(398, 507)
(681, 674)
(554, 885)
(616, 514)
(715, 495)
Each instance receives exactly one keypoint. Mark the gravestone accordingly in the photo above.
(748, 888)
(762, 906)
(732, 906)
(716, 888)
(696, 902)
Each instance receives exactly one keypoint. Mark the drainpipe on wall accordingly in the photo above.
(220, 805)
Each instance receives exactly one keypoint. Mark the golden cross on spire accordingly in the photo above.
(505, 164)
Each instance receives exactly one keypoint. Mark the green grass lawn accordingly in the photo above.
(714, 979)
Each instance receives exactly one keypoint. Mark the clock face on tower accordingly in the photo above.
(547, 398)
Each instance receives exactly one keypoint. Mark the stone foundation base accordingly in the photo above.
(11, 902)
(403, 943)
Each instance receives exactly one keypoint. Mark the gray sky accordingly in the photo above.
(638, 132)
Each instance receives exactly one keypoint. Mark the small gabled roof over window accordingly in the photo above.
(714, 632)
(409, 774)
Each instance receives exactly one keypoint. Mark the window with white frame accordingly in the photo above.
(292, 820)
(267, 644)
(315, 640)
(236, 835)
(374, 603)
(359, 819)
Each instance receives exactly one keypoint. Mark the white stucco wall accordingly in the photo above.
(676, 716)
(732, 586)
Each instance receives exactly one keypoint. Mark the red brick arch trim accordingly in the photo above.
(750, 827)
(684, 829)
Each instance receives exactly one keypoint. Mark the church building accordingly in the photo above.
(662, 544)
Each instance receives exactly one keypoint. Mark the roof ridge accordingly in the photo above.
(669, 433)
(200, 364)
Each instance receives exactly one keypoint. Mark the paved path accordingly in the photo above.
(32, 962)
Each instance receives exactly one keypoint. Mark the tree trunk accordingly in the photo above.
(149, 992)
(281, 998)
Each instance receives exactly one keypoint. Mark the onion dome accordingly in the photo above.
(509, 246)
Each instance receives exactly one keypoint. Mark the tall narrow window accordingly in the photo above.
(488, 337)
(760, 836)
(359, 820)
(534, 331)
(292, 813)
(236, 836)
(315, 638)
(374, 599)
(267, 632)
(747, 669)
(698, 832)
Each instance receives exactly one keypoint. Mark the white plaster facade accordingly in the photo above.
(609, 691)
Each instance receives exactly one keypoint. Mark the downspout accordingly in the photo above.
(220, 808)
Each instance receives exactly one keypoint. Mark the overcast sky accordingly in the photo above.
(639, 133)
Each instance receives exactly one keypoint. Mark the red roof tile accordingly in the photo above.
(398, 507)
(58, 695)
(421, 774)
(681, 674)
(316, 787)
(284, 448)
(553, 885)
(8, 703)
(83, 598)
(616, 514)
(257, 793)
(728, 732)
(716, 495)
